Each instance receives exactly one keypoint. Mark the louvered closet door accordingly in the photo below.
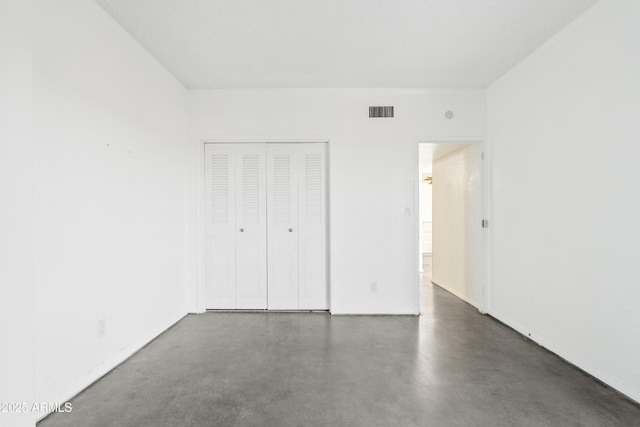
(251, 227)
(220, 225)
(282, 176)
(312, 227)
(236, 242)
(297, 232)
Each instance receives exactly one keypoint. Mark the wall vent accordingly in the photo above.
(380, 111)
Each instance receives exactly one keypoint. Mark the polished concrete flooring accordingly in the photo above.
(449, 367)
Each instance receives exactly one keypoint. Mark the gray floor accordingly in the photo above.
(449, 367)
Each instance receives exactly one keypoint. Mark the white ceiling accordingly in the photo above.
(341, 43)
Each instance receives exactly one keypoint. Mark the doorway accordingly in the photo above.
(452, 209)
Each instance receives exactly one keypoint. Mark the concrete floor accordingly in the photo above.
(449, 367)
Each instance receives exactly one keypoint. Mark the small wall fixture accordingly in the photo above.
(428, 180)
(449, 115)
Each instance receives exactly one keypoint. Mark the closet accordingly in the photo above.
(266, 228)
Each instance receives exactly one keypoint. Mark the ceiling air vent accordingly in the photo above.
(381, 111)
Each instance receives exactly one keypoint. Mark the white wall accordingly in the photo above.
(373, 168)
(17, 323)
(457, 215)
(426, 214)
(110, 191)
(565, 138)
(426, 242)
(426, 197)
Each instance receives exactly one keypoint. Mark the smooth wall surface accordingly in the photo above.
(564, 134)
(457, 215)
(426, 214)
(426, 198)
(372, 172)
(17, 323)
(110, 150)
(426, 237)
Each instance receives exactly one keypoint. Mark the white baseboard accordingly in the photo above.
(108, 365)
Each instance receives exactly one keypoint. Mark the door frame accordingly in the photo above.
(483, 304)
(196, 296)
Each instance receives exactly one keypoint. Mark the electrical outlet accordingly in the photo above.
(102, 328)
(374, 286)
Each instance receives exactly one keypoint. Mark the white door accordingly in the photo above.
(266, 205)
(296, 176)
(251, 222)
(220, 226)
(236, 226)
(312, 227)
(282, 177)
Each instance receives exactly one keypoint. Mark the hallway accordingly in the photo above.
(449, 367)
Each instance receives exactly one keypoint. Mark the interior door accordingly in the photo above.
(282, 176)
(312, 227)
(220, 226)
(266, 207)
(251, 227)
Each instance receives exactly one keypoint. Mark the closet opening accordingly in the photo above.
(266, 227)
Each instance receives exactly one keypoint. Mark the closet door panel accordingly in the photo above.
(251, 227)
(220, 213)
(282, 228)
(266, 228)
(312, 226)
